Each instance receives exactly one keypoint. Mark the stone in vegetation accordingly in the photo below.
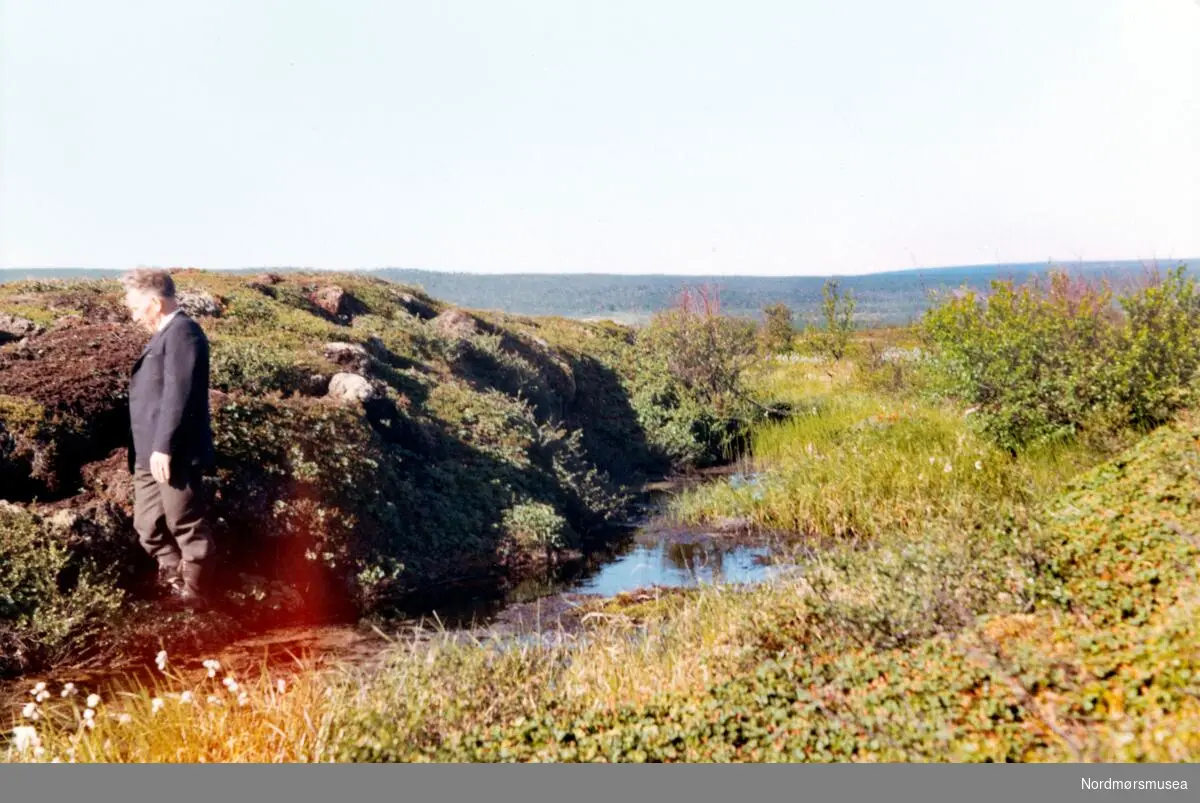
(13, 327)
(336, 302)
(350, 387)
(198, 303)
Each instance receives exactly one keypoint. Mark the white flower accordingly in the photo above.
(69, 690)
(243, 698)
(30, 711)
(280, 686)
(39, 751)
(93, 700)
(979, 465)
(156, 705)
(161, 660)
(25, 737)
(230, 684)
(947, 468)
(212, 667)
(932, 460)
(186, 697)
(42, 696)
(38, 689)
(213, 700)
(89, 713)
(125, 719)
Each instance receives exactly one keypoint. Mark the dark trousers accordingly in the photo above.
(171, 518)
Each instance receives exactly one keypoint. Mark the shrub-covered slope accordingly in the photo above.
(371, 440)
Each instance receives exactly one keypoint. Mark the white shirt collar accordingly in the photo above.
(167, 318)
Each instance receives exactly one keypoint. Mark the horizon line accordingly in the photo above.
(1154, 262)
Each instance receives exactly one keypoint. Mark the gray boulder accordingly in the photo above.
(14, 328)
(347, 387)
(197, 303)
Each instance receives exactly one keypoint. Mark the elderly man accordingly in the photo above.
(172, 437)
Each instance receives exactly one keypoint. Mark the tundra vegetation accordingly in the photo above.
(995, 517)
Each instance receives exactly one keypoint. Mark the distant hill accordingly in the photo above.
(893, 297)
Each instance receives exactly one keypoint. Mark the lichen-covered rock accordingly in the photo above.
(198, 303)
(347, 387)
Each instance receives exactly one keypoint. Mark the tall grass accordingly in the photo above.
(854, 464)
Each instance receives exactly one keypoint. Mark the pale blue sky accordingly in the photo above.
(627, 136)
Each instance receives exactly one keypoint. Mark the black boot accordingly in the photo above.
(169, 580)
(192, 591)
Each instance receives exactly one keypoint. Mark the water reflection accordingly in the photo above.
(664, 560)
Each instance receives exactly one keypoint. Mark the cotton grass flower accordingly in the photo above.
(156, 705)
(38, 689)
(125, 719)
(93, 701)
(230, 684)
(243, 699)
(30, 711)
(69, 690)
(212, 666)
(281, 685)
(25, 737)
(89, 718)
(213, 700)
(160, 660)
(186, 698)
(42, 696)
(979, 465)
(947, 468)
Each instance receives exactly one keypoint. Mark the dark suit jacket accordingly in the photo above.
(168, 398)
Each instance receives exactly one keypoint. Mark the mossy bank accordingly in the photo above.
(372, 441)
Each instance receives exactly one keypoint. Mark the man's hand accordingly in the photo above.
(160, 466)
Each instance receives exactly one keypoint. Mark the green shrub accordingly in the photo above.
(537, 525)
(51, 606)
(1159, 350)
(253, 366)
(690, 391)
(778, 330)
(1043, 362)
(832, 338)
